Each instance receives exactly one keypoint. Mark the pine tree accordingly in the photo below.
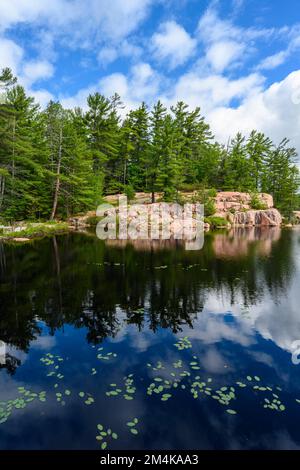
(102, 124)
(281, 177)
(58, 162)
(138, 125)
(258, 148)
(22, 156)
(156, 148)
(237, 168)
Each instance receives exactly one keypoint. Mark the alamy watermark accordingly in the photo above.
(159, 221)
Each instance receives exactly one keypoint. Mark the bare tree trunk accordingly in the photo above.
(13, 165)
(57, 182)
(2, 188)
(125, 172)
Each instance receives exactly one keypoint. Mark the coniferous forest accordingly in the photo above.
(56, 162)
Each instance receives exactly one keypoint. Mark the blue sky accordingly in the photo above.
(239, 60)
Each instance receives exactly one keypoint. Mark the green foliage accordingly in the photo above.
(129, 192)
(38, 230)
(256, 202)
(58, 162)
(93, 220)
(216, 222)
(206, 197)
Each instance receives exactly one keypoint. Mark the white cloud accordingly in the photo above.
(271, 111)
(110, 53)
(273, 60)
(226, 44)
(141, 84)
(34, 71)
(42, 96)
(221, 54)
(81, 22)
(11, 55)
(213, 90)
(107, 55)
(173, 44)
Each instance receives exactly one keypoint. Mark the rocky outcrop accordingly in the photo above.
(236, 207)
(227, 201)
(266, 218)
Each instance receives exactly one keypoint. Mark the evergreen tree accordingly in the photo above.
(281, 177)
(138, 127)
(258, 148)
(21, 156)
(58, 162)
(156, 148)
(102, 126)
(237, 168)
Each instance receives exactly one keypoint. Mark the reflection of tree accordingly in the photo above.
(78, 280)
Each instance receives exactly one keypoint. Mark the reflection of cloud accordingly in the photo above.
(214, 362)
(43, 342)
(214, 327)
(263, 358)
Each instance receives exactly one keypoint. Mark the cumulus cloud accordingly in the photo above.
(125, 48)
(213, 90)
(221, 54)
(141, 84)
(78, 20)
(274, 110)
(34, 71)
(172, 44)
(11, 55)
(226, 44)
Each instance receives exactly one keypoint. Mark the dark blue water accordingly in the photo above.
(196, 347)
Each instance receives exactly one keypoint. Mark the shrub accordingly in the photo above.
(216, 222)
(212, 192)
(129, 192)
(93, 220)
(206, 197)
(209, 207)
(189, 187)
(256, 203)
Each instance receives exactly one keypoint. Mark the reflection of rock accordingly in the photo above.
(147, 245)
(239, 240)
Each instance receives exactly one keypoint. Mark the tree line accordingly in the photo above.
(56, 162)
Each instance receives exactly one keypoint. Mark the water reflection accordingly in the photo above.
(236, 301)
(79, 280)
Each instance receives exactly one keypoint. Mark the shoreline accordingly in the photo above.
(38, 231)
(32, 231)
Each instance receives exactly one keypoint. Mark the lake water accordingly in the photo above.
(149, 346)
